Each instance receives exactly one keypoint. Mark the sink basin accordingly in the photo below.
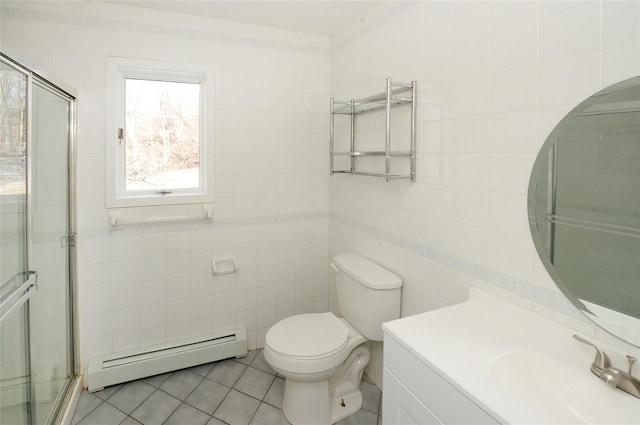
(556, 391)
(522, 370)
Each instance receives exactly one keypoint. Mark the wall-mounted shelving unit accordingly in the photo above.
(396, 94)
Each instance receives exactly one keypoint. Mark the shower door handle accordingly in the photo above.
(19, 297)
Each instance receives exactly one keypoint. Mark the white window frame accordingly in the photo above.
(118, 70)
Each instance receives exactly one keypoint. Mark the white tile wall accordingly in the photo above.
(494, 79)
(147, 286)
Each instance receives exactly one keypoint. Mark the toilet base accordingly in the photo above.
(306, 403)
(326, 401)
(345, 406)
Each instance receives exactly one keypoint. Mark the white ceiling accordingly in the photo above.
(324, 17)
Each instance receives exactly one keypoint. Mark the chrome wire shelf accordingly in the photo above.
(395, 94)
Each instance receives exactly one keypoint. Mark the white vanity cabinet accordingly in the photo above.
(414, 393)
(486, 361)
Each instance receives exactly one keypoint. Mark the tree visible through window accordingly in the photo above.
(162, 135)
(160, 146)
(13, 133)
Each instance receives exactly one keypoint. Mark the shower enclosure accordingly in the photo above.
(37, 253)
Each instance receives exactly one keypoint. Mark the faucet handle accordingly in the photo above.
(601, 361)
(631, 361)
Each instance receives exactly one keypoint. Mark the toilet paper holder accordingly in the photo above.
(223, 265)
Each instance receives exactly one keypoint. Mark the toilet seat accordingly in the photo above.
(308, 336)
(307, 343)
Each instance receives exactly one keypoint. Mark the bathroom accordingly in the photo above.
(493, 78)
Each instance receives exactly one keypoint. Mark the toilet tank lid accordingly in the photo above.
(367, 272)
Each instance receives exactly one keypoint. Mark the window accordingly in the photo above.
(159, 144)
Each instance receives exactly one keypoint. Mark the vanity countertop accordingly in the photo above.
(516, 365)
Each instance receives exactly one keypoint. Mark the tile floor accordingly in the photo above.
(235, 391)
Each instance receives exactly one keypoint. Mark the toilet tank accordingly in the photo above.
(368, 294)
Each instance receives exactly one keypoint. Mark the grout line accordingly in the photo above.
(174, 410)
(91, 411)
(203, 378)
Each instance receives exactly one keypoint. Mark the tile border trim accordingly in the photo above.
(551, 299)
(119, 25)
(225, 223)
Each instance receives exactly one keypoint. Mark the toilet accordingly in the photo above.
(322, 356)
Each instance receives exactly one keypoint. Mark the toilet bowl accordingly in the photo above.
(312, 368)
(323, 357)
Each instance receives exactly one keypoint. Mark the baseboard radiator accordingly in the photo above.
(117, 368)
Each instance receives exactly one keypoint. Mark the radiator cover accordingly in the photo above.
(129, 366)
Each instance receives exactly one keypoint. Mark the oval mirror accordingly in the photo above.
(584, 208)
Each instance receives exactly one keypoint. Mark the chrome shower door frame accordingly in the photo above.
(67, 242)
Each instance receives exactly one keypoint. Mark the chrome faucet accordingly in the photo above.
(601, 367)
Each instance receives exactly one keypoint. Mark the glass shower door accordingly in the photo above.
(15, 280)
(36, 233)
(50, 307)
